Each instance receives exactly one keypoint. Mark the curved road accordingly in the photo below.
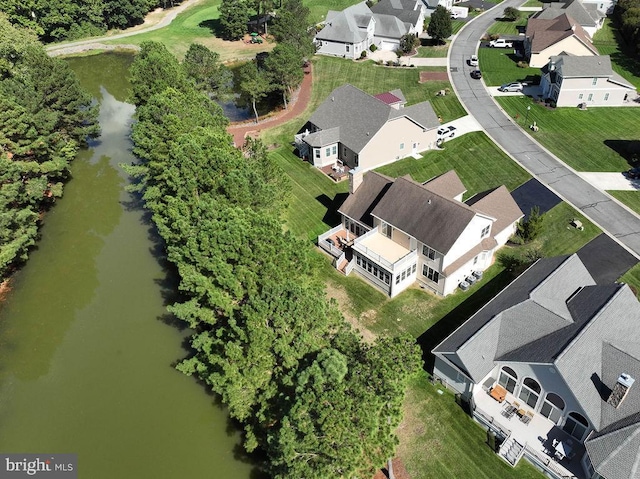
(615, 219)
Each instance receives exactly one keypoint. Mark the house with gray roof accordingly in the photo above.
(349, 32)
(571, 80)
(564, 352)
(547, 37)
(586, 15)
(396, 232)
(352, 129)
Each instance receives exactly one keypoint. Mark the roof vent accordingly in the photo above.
(333, 98)
(620, 390)
(429, 201)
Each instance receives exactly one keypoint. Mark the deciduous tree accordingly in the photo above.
(440, 24)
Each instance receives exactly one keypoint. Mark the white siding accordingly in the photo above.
(468, 239)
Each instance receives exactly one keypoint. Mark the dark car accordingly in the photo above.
(633, 173)
(476, 74)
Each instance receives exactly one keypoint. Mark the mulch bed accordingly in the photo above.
(399, 471)
(433, 76)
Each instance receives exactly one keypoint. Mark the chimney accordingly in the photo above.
(355, 179)
(620, 390)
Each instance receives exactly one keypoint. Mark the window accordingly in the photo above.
(590, 97)
(404, 275)
(606, 97)
(386, 278)
(485, 231)
(430, 273)
(508, 379)
(317, 151)
(413, 269)
(594, 82)
(428, 252)
(327, 152)
(358, 260)
(387, 229)
(347, 46)
(580, 96)
(344, 151)
(398, 279)
(576, 425)
(530, 392)
(334, 150)
(552, 407)
(402, 146)
(475, 260)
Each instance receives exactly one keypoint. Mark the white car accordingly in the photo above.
(500, 43)
(473, 61)
(447, 131)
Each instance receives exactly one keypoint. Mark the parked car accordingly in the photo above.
(476, 74)
(447, 131)
(515, 86)
(500, 43)
(633, 173)
(473, 61)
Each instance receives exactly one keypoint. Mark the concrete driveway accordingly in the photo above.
(610, 181)
(612, 217)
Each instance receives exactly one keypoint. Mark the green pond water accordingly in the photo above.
(85, 356)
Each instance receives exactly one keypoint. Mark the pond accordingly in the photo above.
(86, 351)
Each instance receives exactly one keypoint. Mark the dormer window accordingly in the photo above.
(485, 231)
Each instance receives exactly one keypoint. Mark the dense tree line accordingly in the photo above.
(56, 20)
(311, 396)
(44, 117)
(627, 17)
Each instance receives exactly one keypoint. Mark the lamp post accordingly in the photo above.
(526, 117)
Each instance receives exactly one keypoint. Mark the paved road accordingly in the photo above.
(610, 216)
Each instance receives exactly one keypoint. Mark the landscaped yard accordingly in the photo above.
(593, 140)
(608, 42)
(438, 440)
(433, 51)
(505, 27)
(500, 65)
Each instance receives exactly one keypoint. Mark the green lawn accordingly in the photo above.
(597, 139)
(632, 278)
(509, 28)
(438, 440)
(319, 8)
(533, 3)
(500, 65)
(433, 51)
(609, 42)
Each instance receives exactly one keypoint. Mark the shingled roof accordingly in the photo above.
(542, 32)
(359, 115)
(402, 9)
(358, 206)
(580, 66)
(348, 25)
(587, 17)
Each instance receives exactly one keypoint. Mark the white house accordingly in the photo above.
(549, 365)
(396, 232)
(352, 129)
(573, 80)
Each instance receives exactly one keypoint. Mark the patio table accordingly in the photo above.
(498, 393)
(562, 450)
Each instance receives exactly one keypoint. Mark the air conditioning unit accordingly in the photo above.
(471, 279)
(464, 285)
(478, 274)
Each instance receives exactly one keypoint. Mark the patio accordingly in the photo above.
(540, 437)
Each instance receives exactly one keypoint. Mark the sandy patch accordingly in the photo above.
(344, 304)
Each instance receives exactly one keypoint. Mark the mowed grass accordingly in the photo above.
(506, 27)
(629, 198)
(500, 65)
(318, 8)
(609, 42)
(433, 51)
(597, 139)
(439, 440)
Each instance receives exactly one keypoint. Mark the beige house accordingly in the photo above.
(353, 129)
(584, 81)
(545, 38)
(396, 232)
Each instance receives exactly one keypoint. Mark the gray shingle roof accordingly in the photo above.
(575, 8)
(323, 137)
(574, 66)
(359, 205)
(360, 115)
(616, 455)
(423, 214)
(403, 9)
(390, 26)
(344, 26)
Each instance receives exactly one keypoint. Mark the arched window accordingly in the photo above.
(530, 392)
(508, 379)
(576, 425)
(552, 407)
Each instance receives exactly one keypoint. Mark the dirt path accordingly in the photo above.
(153, 21)
(297, 105)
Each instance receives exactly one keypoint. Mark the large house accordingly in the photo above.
(352, 129)
(549, 365)
(395, 232)
(353, 30)
(586, 15)
(571, 80)
(545, 38)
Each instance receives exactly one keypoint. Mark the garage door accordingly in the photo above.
(392, 46)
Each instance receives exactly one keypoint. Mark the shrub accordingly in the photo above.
(363, 55)
(530, 229)
(511, 14)
(373, 48)
(523, 64)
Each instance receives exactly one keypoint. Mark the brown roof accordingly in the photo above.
(499, 204)
(427, 216)
(358, 206)
(448, 185)
(542, 33)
